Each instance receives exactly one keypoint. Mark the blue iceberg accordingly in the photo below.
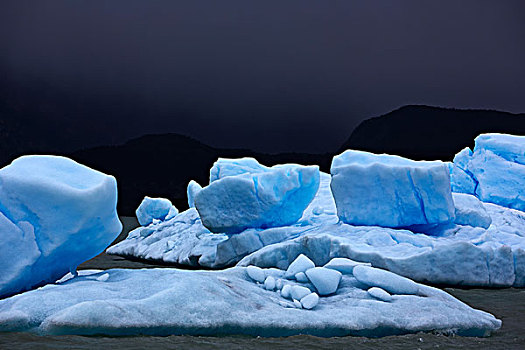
(54, 215)
(390, 191)
(496, 169)
(242, 197)
(170, 301)
(151, 209)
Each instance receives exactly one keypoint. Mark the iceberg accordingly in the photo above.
(390, 191)
(54, 215)
(174, 302)
(496, 168)
(151, 209)
(237, 199)
(469, 210)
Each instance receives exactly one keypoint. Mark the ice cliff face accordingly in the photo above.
(54, 215)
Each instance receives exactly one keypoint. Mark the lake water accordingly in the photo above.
(506, 304)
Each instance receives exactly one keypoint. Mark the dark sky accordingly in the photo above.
(267, 75)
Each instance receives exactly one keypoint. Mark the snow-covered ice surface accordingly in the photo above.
(455, 255)
(54, 215)
(494, 171)
(260, 198)
(170, 301)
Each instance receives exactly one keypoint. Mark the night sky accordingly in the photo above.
(267, 75)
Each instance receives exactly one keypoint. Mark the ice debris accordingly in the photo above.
(54, 215)
(470, 211)
(324, 280)
(151, 209)
(271, 197)
(301, 264)
(380, 294)
(390, 191)
(344, 265)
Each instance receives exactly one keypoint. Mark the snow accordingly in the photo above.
(390, 191)
(324, 280)
(470, 211)
(300, 264)
(54, 215)
(155, 209)
(272, 197)
(191, 192)
(170, 301)
(497, 169)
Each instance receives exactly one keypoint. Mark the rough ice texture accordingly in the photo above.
(169, 301)
(462, 255)
(191, 192)
(184, 240)
(270, 197)
(470, 211)
(390, 191)
(155, 209)
(496, 256)
(496, 168)
(54, 215)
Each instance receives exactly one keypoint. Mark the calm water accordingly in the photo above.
(506, 304)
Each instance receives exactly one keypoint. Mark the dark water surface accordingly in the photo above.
(506, 304)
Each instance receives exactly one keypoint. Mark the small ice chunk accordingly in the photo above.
(470, 211)
(324, 280)
(286, 291)
(298, 292)
(387, 280)
(310, 301)
(279, 284)
(300, 264)
(269, 283)
(297, 304)
(191, 192)
(103, 278)
(301, 277)
(344, 265)
(256, 273)
(380, 294)
(154, 208)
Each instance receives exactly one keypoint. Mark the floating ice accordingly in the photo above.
(155, 209)
(271, 197)
(54, 215)
(497, 169)
(170, 301)
(390, 191)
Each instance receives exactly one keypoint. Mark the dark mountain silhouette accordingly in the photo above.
(423, 132)
(162, 165)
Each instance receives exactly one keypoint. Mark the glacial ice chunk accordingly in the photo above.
(384, 279)
(344, 265)
(390, 191)
(300, 264)
(175, 302)
(324, 280)
(496, 167)
(380, 294)
(310, 301)
(191, 192)
(155, 209)
(54, 215)
(273, 197)
(470, 211)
